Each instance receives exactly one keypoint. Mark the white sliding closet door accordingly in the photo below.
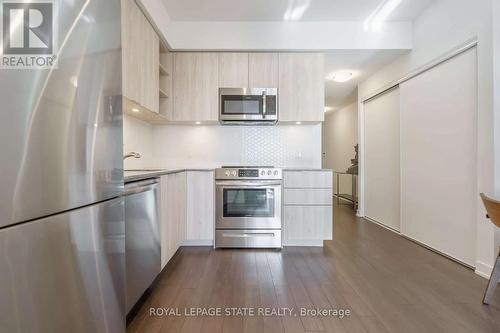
(438, 157)
(382, 159)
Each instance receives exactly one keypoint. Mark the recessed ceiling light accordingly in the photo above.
(135, 110)
(328, 108)
(198, 123)
(298, 123)
(341, 76)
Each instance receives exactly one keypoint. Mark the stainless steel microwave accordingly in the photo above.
(248, 106)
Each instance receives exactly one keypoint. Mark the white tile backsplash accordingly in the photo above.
(180, 146)
(137, 137)
(213, 146)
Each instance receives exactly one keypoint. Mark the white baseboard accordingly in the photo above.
(483, 269)
(304, 242)
(198, 242)
(301, 242)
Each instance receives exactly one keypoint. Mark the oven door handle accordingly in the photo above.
(249, 234)
(248, 184)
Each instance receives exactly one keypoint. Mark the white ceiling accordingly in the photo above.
(274, 10)
(363, 63)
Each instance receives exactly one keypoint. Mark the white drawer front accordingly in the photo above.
(308, 196)
(307, 222)
(307, 179)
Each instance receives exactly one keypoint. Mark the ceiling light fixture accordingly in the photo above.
(298, 123)
(198, 123)
(328, 108)
(135, 110)
(341, 76)
(374, 21)
(296, 9)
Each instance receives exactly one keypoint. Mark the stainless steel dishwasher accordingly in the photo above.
(142, 238)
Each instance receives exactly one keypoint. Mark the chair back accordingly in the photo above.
(493, 209)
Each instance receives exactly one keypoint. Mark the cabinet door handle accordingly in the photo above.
(264, 104)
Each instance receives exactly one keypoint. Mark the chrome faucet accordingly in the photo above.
(132, 154)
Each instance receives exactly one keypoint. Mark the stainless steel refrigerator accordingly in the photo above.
(62, 238)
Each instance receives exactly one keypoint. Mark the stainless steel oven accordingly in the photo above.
(248, 207)
(248, 106)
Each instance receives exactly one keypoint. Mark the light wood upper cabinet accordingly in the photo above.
(150, 74)
(301, 87)
(233, 70)
(263, 70)
(166, 84)
(196, 86)
(253, 70)
(140, 57)
(131, 23)
(197, 77)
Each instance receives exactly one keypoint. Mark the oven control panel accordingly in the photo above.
(248, 173)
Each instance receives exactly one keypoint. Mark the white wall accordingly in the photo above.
(184, 35)
(277, 35)
(442, 27)
(137, 137)
(339, 136)
(214, 146)
(496, 45)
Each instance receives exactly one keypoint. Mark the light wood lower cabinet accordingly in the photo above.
(173, 214)
(308, 179)
(307, 223)
(200, 208)
(187, 211)
(308, 196)
(307, 211)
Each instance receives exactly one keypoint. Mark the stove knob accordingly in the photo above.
(269, 172)
(263, 173)
(228, 173)
(275, 172)
(233, 173)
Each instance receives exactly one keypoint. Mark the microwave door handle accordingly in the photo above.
(264, 104)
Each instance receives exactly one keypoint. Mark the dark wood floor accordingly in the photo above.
(389, 283)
